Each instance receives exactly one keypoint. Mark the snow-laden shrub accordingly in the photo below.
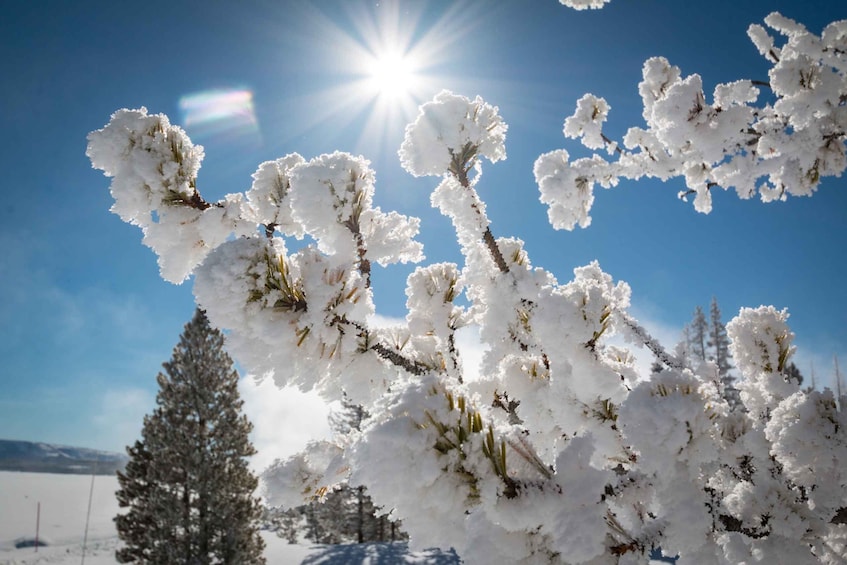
(560, 451)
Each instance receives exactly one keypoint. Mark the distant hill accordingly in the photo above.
(49, 458)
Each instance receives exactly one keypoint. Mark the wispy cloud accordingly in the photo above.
(84, 353)
(120, 417)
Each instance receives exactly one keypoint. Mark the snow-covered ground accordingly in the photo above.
(64, 506)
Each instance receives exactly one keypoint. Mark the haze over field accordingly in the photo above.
(64, 505)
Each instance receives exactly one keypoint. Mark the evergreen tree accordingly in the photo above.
(719, 353)
(348, 513)
(792, 373)
(813, 384)
(187, 487)
(288, 525)
(348, 418)
(698, 334)
(718, 340)
(345, 421)
(682, 350)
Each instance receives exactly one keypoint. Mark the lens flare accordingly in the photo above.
(221, 111)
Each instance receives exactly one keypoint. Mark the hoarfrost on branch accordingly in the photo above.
(560, 450)
(776, 143)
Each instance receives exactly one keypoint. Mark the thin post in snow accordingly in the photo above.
(37, 524)
(88, 513)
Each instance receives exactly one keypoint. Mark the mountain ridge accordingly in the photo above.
(43, 457)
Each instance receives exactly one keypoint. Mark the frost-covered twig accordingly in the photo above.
(585, 4)
(793, 143)
(395, 358)
(650, 342)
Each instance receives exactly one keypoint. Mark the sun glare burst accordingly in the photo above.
(391, 74)
(377, 63)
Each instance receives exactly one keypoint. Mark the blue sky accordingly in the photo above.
(85, 321)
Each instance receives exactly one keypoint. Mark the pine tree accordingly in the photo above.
(187, 487)
(348, 512)
(288, 525)
(682, 350)
(699, 330)
(813, 384)
(719, 353)
(346, 420)
(792, 373)
(718, 340)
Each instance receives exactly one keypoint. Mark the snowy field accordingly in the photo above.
(64, 505)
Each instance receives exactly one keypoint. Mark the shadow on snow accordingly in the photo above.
(379, 554)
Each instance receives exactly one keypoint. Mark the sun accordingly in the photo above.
(391, 74)
(374, 65)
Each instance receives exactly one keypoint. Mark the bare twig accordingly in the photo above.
(494, 249)
(609, 142)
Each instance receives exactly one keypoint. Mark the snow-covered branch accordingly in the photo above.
(560, 450)
(585, 4)
(792, 138)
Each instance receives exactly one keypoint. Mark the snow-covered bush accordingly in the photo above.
(560, 451)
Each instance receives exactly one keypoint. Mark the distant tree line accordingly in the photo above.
(346, 515)
(705, 347)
